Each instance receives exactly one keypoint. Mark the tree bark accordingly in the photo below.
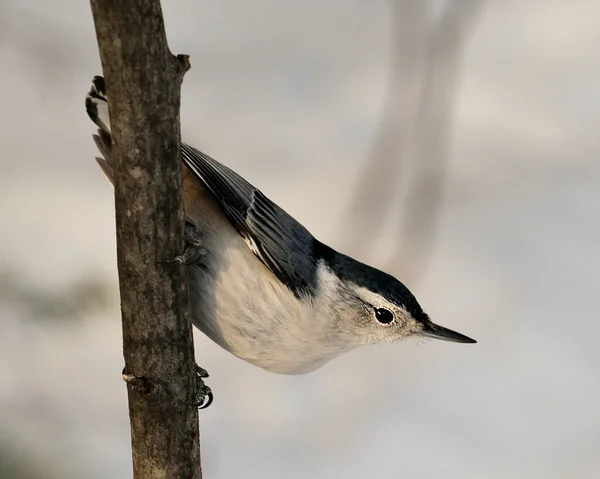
(143, 81)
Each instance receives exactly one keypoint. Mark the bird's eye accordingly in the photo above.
(384, 316)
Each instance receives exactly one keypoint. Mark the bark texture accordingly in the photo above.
(143, 81)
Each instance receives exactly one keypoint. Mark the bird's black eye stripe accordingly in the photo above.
(384, 316)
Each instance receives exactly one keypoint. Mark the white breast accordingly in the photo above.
(242, 306)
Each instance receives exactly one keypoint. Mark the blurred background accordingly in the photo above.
(452, 143)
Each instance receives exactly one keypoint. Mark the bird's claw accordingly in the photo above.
(204, 395)
(193, 250)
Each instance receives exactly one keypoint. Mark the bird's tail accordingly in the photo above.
(97, 109)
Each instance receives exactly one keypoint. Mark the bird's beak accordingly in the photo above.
(432, 330)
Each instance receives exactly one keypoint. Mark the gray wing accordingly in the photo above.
(278, 240)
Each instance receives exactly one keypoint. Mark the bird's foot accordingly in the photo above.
(193, 250)
(204, 395)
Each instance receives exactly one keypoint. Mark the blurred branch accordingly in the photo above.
(414, 129)
(377, 180)
(433, 122)
(15, 464)
(143, 80)
(83, 296)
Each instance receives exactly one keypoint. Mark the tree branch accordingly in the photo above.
(378, 180)
(410, 146)
(143, 82)
(433, 123)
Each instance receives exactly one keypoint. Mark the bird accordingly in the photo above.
(264, 288)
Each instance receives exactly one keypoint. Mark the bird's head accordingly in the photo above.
(375, 306)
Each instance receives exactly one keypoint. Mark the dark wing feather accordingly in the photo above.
(277, 239)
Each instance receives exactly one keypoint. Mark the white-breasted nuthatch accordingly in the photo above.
(265, 289)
